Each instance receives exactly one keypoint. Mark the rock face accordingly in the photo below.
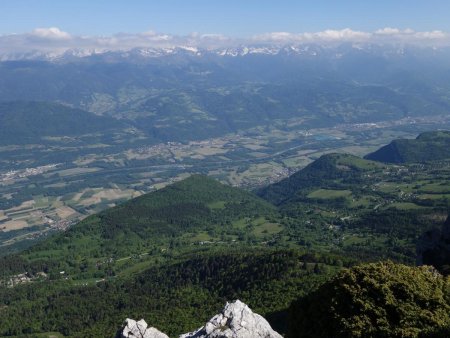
(140, 329)
(235, 321)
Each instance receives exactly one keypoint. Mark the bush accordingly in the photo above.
(375, 300)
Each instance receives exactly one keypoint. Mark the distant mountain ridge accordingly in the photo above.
(189, 93)
(428, 146)
(233, 50)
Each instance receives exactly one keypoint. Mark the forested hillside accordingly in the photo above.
(175, 297)
(195, 210)
(174, 256)
(33, 122)
(429, 146)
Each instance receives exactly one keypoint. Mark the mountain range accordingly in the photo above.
(183, 93)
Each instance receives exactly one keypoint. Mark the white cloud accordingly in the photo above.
(388, 31)
(278, 37)
(342, 35)
(434, 35)
(395, 35)
(52, 33)
(328, 35)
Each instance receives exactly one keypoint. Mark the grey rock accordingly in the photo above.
(139, 329)
(235, 321)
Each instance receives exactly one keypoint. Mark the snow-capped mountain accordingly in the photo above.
(305, 50)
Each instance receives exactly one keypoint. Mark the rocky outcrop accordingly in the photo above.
(235, 321)
(139, 329)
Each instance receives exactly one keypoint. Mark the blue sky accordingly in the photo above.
(236, 18)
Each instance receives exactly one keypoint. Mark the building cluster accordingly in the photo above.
(23, 173)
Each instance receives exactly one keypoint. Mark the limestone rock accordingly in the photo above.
(139, 329)
(235, 321)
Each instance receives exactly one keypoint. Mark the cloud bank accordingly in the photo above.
(55, 40)
(387, 35)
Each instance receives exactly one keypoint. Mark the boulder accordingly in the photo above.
(139, 329)
(235, 321)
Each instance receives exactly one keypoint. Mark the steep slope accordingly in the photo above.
(429, 146)
(31, 122)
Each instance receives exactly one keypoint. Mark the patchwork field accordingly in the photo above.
(53, 196)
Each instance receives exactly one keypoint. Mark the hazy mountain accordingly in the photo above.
(31, 122)
(183, 93)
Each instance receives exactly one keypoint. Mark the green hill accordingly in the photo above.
(365, 208)
(196, 210)
(322, 172)
(175, 255)
(429, 146)
(172, 256)
(30, 122)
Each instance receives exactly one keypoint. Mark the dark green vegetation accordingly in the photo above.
(180, 252)
(430, 146)
(175, 255)
(175, 297)
(376, 300)
(434, 248)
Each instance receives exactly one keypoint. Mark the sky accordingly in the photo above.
(55, 26)
(235, 18)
